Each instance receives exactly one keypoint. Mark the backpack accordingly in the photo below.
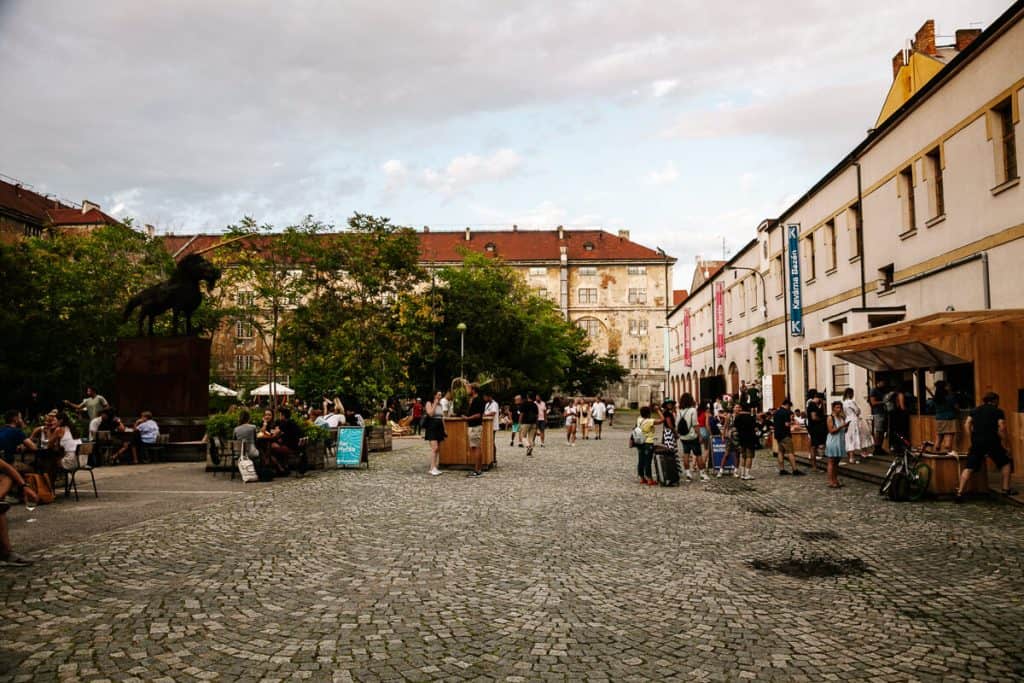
(890, 402)
(689, 433)
(636, 437)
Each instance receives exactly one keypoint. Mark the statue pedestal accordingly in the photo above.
(168, 376)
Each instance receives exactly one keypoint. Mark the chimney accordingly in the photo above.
(924, 39)
(468, 237)
(426, 228)
(87, 205)
(966, 36)
(561, 232)
(150, 230)
(623, 234)
(515, 228)
(897, 63)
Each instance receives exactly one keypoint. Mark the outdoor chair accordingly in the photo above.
(230, 458)
(82, 454)
(151, 452)
(105, 447)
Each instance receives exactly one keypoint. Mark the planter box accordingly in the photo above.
(378, 439)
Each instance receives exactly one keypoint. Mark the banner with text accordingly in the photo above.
(720, 319)
(687, 348)
(796, 298)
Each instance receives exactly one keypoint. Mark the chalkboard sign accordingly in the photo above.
(349, 449)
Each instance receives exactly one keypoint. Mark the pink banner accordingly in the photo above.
(720, 319)
(687, 349)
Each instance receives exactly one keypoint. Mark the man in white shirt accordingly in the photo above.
(492, 410)
(598, 411)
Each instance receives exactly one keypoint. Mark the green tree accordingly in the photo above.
(64, 298)
(589, 373)
(363, 318)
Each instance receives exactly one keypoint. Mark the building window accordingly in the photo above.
(588, 246)
(243, 329)
(542, 292)
(936, 200)
(591, 326)
(840, 378)
(809, 260)
(743, 296)
(856, 233)
(782, 365)
(830, 244)
(753, 292)
(490, 247)
(906, 190)
(886, 278)
(535, 270)
(587, 270)
(637, 328)
(636, 270)
(243, 363)
(637, 295)
(638, 361)
(244, 299)
(764, 249)
(586, 295)
(1006, 141)
(780, 276)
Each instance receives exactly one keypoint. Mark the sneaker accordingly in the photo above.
(521, 445)
(689, 476)
(798, 473)
(783, 472)
(718, 474)
(704, 476)
(15, 560)
(474, 473)
(747, 477)
(529, 451)
(435, 472)
(651, 482)
(736, 474)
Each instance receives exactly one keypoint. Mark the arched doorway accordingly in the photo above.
(734, 379)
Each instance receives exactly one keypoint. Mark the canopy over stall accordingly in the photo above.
(221, 390)
(274, 388)
(992, 341)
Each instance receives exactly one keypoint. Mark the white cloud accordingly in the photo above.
(471, 169)
(666, 175)
(395, 174)
(663, 87)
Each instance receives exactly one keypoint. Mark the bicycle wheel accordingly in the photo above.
(887, 480)
(918, 479)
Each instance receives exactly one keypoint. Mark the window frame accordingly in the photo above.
(637, 296)
(591, 297)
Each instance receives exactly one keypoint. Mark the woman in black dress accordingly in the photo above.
(434, 432)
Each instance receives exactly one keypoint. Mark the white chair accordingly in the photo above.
(82, 454)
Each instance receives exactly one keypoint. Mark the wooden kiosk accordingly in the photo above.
(990, 342)
(454, 450)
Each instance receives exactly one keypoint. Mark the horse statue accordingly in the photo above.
(179, 294)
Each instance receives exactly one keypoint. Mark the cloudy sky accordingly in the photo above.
(685, 121)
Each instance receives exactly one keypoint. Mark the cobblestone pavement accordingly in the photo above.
(555, 567)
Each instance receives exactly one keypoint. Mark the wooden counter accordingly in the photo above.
(946, 475)
(454, 450)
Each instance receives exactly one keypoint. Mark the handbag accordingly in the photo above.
(247, 468)
(40, 483)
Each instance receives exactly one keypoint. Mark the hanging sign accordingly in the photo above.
(687, 348)
(796, 298)
(720, 319)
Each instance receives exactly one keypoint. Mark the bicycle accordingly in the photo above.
(908, 477)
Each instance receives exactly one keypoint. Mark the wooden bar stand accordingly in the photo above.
(454, 450)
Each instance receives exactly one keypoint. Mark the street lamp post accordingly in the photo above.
(764, 290)
(461, 327)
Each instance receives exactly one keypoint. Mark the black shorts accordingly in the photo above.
(542, 425)
(976, 458)
(691, 446)
(818, 438)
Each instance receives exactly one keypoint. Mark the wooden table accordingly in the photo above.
(946, 474)
(454, 451)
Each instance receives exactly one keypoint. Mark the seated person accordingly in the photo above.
(13, 438)
(267, 426)
(245, 432)
(94, 426)
(145, 434)
(51, 450)
(286, 441)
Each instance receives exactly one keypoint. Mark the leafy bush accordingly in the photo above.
(222, 425)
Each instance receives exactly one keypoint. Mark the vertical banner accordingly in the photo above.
(796, 298)
(720, 319)
(687, 348)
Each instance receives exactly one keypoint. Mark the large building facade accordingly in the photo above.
(925, 216)
(616, 290)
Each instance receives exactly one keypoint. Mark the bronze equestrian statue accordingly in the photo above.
(179, 294)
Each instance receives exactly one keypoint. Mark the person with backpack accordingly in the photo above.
(689, 436)
(643, 439)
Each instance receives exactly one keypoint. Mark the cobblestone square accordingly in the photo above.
(554, 567)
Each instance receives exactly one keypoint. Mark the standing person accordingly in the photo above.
(598, 412)
(878, 423)
(896, 405)
(782, 421)
(542, 417)
(93, 404)
(570, 422)
(645, 449)
(611, 413)
(528, 422)
(704, 436)
(746, 435)
(835, 446)
(987, 427)
(446, 404)
(855, 437)
(517, 404)
(9, 479)
(945, 417)
(434, 431)
(475, 424)
(817, 429)
(417, 416)
(493, 411)
(689, 434)
(584, 415)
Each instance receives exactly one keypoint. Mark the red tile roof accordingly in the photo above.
(59, 217)
(30, 205)
(520, 245)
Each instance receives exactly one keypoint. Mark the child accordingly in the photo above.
(835, 443)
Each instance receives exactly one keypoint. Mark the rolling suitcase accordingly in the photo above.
(666, 466)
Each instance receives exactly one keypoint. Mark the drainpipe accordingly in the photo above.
(988, 289)
(860, 238)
